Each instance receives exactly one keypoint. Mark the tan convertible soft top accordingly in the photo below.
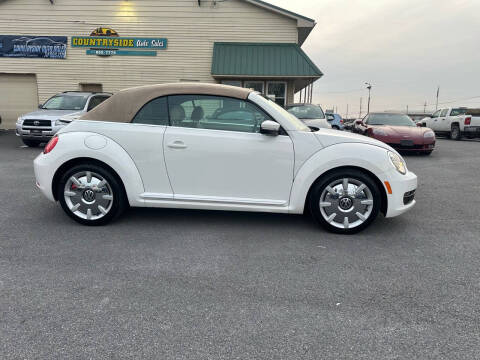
(123, 106)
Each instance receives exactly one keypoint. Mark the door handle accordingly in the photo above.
(177, 144)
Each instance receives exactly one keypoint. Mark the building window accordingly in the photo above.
(89, 87)
(232, 82)
(255, 85)
(277, 91)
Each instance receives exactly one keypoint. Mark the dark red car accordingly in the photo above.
(398, 131)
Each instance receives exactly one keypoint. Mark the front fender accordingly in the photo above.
(369, 157)
(76, 145)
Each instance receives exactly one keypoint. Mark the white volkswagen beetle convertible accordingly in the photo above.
(216, 147)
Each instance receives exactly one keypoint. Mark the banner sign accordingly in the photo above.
(107, 52)
(21, 46)
(110, 42)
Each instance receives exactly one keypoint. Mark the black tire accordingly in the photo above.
(31, 143)
(118, 204)
(321, 185)
(455, 133)
(335, 127)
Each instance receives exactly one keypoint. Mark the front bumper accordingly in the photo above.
(401, 198)
(41, 133)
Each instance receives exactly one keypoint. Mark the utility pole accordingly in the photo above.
(424, 107)
(360, 113)
(436, 103)
(407, 109)
(346, 116)
(369, 87)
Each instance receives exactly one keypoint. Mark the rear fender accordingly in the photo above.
(87, 145)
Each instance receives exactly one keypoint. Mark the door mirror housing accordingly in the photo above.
(358, 122)
(269, 127)
(40, 106)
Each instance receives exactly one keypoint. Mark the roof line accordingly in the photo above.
(281, 10)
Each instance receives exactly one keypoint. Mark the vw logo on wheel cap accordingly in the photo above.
(89, 195)
(345, 203)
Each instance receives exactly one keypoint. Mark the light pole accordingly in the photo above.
(369, 87)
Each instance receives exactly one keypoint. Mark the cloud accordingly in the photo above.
(405, 48)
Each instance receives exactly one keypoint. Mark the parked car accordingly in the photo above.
(311, 115)
(398, 131)
(454, 122)
(162, 146)
(39, 126)
(335, 121)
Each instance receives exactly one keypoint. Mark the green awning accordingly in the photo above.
(262, 60)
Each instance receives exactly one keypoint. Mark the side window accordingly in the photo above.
(436, 114)
(155, 112)
(95, 101)
(444, 112)
(215, 113)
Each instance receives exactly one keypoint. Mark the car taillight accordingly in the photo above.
(50, 145)
(468, 120)
(341, 121)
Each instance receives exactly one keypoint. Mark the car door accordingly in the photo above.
(214, 152)
(442, 120)
(432, 123)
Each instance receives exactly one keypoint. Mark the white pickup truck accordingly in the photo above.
(454, 122)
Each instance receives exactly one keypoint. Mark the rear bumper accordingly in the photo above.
(44, 172)
(472, 131)
(401, 199)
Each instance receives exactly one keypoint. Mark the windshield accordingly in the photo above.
(66, 102)
(300, 126)
(390, 119)
(307, 111)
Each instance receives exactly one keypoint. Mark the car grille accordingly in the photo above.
(37, 127)
(408, 197)
(33, 122)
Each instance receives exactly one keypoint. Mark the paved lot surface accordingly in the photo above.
(178, 284)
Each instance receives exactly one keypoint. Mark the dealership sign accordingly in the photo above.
(21, 46)
(106, 42)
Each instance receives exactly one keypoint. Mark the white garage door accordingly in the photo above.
(18, 95)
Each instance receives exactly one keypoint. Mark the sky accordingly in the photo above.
(404, 48)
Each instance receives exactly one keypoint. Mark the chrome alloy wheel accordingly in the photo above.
(346, 203)
(88, 195)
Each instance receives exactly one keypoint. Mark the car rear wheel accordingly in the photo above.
(31, 143)
(91, 195)
(455, 133)
(345, 201)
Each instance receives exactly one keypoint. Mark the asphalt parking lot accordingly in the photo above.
(181, 284)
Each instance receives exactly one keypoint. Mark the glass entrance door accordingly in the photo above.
(277, 90)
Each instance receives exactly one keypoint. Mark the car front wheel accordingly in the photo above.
(91, 195)
(345, 201)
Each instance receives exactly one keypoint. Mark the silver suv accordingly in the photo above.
(39, 126)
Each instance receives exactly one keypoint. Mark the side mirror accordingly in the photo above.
(40, 106)
(269, 127)
(420, 124)
(358, 122)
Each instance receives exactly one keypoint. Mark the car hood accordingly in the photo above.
(47, 114)
(319, 123)
(328, 137)
(401, 131)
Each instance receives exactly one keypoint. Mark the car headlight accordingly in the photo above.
(19, 120)
(378, 132)
(398, 162)
(428, 134)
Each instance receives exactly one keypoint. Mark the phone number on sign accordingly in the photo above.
(105, 52)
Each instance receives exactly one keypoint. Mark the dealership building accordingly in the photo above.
(50, 46)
